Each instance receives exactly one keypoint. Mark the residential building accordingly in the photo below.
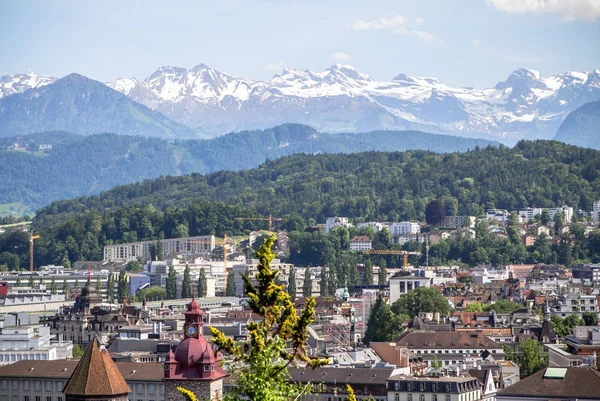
(451, 347)
(332, 222)
(251, 266)
(497, 214)
(596, 211)
(402, 282)
(360, 243)
(329, 383)
(575, 303)
(555, 384)
(142, 250)
(45, 380)
(443, 388)
(459, 221)
(405, 227)
(375, 225)
(32, 342)
(588, 273)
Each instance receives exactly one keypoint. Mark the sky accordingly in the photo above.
(461, 42)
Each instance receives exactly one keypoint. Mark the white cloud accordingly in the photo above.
(476, 42)
(398, 24)
(570, 10)
(340, 57)
(276, 66)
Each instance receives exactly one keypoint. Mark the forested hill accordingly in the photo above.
(378, 186)
(85, 165)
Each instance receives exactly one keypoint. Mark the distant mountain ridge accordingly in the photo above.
(582, 127)
(78, 165)
(84, 106)
(342, 99)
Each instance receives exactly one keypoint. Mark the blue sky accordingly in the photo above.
(461, 42)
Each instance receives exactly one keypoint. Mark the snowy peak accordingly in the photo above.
(19, 83)
(523, 78)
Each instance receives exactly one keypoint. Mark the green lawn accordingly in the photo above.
(14, 209)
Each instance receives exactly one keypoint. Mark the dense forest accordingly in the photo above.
(374, 185)
(84, 165)
(304, 190)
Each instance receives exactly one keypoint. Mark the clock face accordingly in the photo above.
(191, 331)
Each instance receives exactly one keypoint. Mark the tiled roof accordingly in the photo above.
(96, 374)
(341, 375)
(582, 383)
(446, 339)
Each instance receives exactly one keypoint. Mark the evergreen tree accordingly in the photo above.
(230, 289)
(31, 283)
(18, 283)
(353, 274)
(368, 274)
(65, 288)
(99, 282)
(332, 285)
(42, 281)
(186, 285)
(122, 291)
(171, 283)
(276, 340)
(307, 285)
(324, 283)
(382, 325)
(53, 288)
(110, 288)
(76, 283)
(202, 284)
(382, 277)
(159, 251)
(291, 288)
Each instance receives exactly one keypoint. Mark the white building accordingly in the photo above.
(575, 303)
(33, 342)
(497, 214)
(401, 284)
(360, 243)
(596, 211)
(251, 265)
(138, 250)
(405, 227)
(444, 388)
(375, 225)
(459, 221)
(332, 222)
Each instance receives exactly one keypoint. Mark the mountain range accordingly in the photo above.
(342, 99)
(582, 127)
(39, 168)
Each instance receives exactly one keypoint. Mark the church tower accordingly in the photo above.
(194, 365)
(96, 377)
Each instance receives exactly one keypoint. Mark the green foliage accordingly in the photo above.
(31, 282)
(186, 284)
(422, 299)
(291, 287)
(77, 351)
(259, 365)
(122, 287)
(503, 306)
(307, 285)
(564, 327)
(383, 277)
(530, 357)
(133, 266)
(202, 284)
(590, 318)
(474, 307)
(230, 288)
(383, 324)
(53, 288)
(368, 273)
(153, 293)
(110, 288)
(171, 283)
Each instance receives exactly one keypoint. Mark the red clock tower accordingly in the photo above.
(194, 365)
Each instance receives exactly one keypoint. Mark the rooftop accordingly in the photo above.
(561, 383)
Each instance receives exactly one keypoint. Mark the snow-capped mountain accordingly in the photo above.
(342, 99)
(525, 105)
(19, 83)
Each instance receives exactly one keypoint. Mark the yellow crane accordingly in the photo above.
(31, 239)
(226, 241)
(270, 219)
(392, 252)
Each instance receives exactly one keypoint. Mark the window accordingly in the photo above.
(4, 384)
(434, 388)
(151, 389)
(409, 398)
(206, 368)
(447, 397)
(396, 386)
(422, 397)
(421, 387)
(25, 398)
(38, 398)
(409, 387)
(48, 398)
(139, 389)
(397, 397)
(26, 384)
(434, 397)
(37, 385)
(48, 386)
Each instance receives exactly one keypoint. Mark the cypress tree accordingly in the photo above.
(382, 274)
(202, 284)
(291, 289)
(110, 288)
(186, 285)
(65, 288)
(307, 285)
(230, 289)
(53, 288)
(122, 291)
(368, 274)
(324, 283)
(171, 284)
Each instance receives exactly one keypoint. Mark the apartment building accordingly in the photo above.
(176, 246)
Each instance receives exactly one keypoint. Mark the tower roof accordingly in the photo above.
(96, 375)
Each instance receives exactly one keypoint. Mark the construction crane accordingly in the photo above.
(392, 252)
(270, 219)
(31, 239)
(226, 241)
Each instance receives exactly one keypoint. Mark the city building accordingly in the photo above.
(375, 225)
(596, 211)
(142, 250)
(443, 388)
(555, 384)
(403, 282)
(360, 243)
(575, 303)
(31, 342)
(589, 274)
(332, 222)
(405, 227)
(459, 221)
